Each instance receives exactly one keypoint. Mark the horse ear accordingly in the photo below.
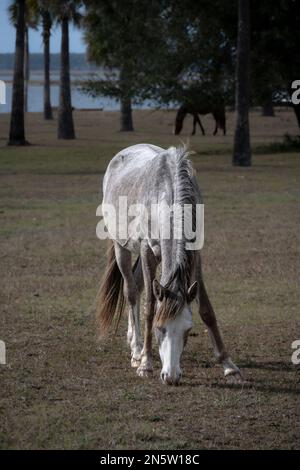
(158, 290)
(192, 292)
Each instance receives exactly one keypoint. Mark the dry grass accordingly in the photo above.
(59, 388)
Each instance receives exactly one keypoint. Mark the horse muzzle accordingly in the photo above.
(170, 379)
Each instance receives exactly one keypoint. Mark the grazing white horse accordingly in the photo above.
(147, 175)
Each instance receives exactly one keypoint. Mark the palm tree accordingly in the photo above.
(65, 11)
(65, 116)
(38, 12)
(31, 21)
(26, 65)
(17, 130)
(47, 25)
(242, 151)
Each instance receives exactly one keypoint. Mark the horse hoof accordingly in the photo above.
(144, 372)
(233, 375)
(135, 362)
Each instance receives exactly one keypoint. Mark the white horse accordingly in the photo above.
(145, 175)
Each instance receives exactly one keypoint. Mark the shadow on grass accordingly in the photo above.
(259, 387)
(268, 385)
(253, 385)
(269, 365)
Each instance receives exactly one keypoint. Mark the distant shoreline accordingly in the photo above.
(40, 81)
(78, 62)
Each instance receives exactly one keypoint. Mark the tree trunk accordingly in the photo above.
(126, 111)
(126, 115)
(242, 151)
(46, 39)
(17, 131)
(65, 117)
(268, 109)
(26, 68)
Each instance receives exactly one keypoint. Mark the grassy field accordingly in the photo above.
(60, 389)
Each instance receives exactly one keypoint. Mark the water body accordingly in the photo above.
(79, 100)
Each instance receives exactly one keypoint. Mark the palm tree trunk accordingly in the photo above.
(65, 117)
(46, 39)
(126, 115)
(17, 131)
(242, 151)
(26, 68)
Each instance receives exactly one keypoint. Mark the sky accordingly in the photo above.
(7, 35)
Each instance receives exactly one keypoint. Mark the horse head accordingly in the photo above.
(173, 321)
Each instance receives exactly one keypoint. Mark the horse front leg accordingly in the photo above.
(133, 340)
(132, 296)
(200, 124)
(208, 316)
(149, 264)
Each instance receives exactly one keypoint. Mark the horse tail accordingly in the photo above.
(110, 299)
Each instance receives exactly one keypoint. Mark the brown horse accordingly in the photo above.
(217, 111)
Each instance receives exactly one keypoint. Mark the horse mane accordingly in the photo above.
(180, 277)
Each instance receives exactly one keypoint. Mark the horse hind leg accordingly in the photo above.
(216, 128)
(132, 296)
(224, 127)
(194, 124)
(208, 316)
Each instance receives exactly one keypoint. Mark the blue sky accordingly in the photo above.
(7, 35)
